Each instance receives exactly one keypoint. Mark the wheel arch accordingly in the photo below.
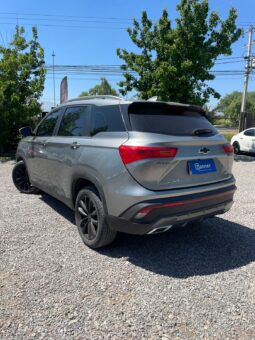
(237, 144)
(80, 182)
(19, 158)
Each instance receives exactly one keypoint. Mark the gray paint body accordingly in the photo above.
(54, 166)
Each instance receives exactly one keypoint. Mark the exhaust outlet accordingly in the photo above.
(159, 230)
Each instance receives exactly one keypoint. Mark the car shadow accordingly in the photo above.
(245, 157)
(213, 246)
(58, 206)
(210, 247)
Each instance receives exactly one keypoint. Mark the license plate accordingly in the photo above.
(201, 166)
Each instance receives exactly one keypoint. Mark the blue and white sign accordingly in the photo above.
(201, 166)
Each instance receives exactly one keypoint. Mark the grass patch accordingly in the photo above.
(8, 158)
(222, 121)
(228, 135)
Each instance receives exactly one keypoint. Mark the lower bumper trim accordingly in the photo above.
(131, 227)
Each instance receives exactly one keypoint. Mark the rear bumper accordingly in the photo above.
(145, 216)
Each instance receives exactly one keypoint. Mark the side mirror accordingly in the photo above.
(26, 131)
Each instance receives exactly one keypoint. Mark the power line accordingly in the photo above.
(65, 26)
(117, 79)
(229, 62)
(66, 16)
(57, 15)
(69, 26)
(115, 70)
(224, 58)
(246, 22)
(75, 17)
(71, 18)
(61, 20)
(101, 66)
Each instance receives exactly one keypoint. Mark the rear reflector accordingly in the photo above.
(131, 154)
(228, 148)
(145, 211)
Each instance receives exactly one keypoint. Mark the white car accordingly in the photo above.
(244, 141)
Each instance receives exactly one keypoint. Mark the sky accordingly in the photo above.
(88, 32)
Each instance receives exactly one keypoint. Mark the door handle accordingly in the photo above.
(75, 145)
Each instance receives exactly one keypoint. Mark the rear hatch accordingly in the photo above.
(173, 146)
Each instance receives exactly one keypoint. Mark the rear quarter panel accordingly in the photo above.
(98, 160)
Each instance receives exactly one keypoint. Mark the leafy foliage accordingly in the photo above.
(174, 63)
(229, 135)
(210, 113)
(230, 105)
(104, 88)
(22, 75)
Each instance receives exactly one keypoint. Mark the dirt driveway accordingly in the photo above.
(188, 283)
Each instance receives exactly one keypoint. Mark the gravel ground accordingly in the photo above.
(190, 283)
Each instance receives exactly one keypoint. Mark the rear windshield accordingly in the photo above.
(170, 120)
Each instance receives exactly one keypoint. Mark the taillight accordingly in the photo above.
(131, 154)
(228, 148)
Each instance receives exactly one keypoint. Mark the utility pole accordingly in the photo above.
(247, 70)
(53, 69)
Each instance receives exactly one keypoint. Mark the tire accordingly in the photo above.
(90, 219)
(236, 147)
(21, 180)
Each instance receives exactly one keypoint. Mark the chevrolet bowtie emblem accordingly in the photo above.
(204, 150)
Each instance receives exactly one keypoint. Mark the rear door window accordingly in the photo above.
(170, 120)
(74, 121)
(107, 118)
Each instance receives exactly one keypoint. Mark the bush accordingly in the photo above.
(228, 135)
(222, 121)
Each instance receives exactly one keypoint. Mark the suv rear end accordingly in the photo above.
(136, 167)
(178, 168)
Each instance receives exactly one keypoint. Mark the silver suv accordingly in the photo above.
(136, 167)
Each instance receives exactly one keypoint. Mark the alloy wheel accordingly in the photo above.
(88, 217)
(21, 179)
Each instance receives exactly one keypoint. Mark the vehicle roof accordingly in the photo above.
(111, 100)
(250, 128)
(95, 100)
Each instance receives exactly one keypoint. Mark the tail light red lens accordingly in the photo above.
(131, 154)
(228, 148)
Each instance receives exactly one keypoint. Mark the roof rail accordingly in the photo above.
(95, 97)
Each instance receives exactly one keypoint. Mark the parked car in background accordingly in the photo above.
(244, 141)
(136, 167)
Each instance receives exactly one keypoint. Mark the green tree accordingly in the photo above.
(230, 105)
(104, 88)
(22, 75)
(210, 113)
(174, 63)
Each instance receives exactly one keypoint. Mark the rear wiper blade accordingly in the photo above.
(199, 132)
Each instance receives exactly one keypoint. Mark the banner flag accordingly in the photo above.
(63, 90)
